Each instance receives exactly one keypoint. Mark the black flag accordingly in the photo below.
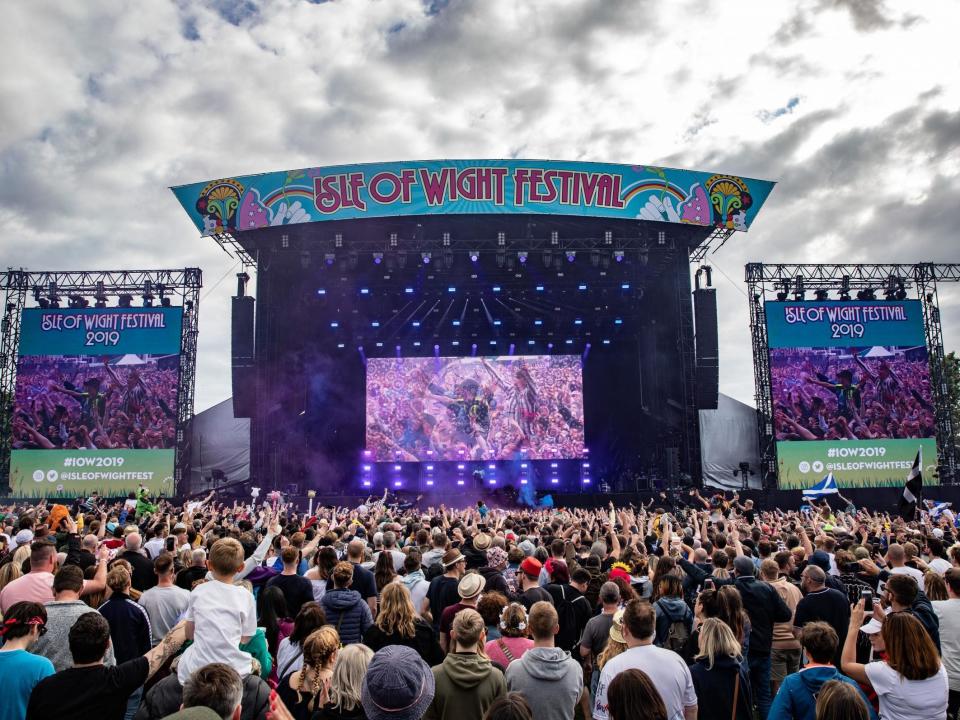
(913, 490)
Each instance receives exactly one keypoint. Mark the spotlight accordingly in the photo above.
(821, 294)
(124, 300)
(338, 240)
(393, 239)
(445, 237)
(845, 288)
(426, 257)
(329, 258)
(618, 255)
(866, 294)
(474, 255)
(554, 237)
(377, 258)
(571, 255)
(608, 238)
(522, 256)
(799, 292)
(781, 296)
(501, 239)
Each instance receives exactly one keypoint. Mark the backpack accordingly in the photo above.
(568, 636)
(678, 633)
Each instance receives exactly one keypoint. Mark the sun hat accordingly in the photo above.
(398, 685)
(872, 627)
(24, 537)
(497, 558)
(616, 629)
(452, 557)
(471, 585)
(531, 567)
(481, 541)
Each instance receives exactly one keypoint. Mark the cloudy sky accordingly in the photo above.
(850, 105)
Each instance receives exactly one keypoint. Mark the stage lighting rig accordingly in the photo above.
(474, 255)
(608, 237)
(522, 257)
(377, 258)
(100, 296)
(77, 301)
(845, 288)
(866, 294)
(124, 300)
(821, 294)
(426, 257)
(799, 292)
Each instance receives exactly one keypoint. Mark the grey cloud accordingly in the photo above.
(867, 15)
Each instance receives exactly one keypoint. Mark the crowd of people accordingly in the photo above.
(822, 395)
(94, 404)
(422, 409)
(715, 610)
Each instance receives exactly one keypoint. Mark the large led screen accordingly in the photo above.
(95, 406)
(851, 391)
(491, 408)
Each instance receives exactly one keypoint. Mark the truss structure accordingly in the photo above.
(181, 287)
(845, 281)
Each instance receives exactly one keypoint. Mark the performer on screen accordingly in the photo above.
(470, 413)
(521, 404)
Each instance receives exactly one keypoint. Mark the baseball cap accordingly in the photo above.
(398, 685)
(471, 585)
(24, 537)
(872, 627)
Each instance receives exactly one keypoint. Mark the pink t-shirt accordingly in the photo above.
(517, 647)
(33, 587)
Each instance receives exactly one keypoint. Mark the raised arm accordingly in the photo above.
(848, 658)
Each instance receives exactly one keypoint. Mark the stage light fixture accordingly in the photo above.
(451, 289)
(445, 239)
(661, 238)
(393, 239)
(571, 255)
(901, 291)
(447, 259)
(866, 294)
(341, 345)
(522, 256)
(595, 258)
(496, 288)
(379, 344)
(618, 255)
(124, 300)
(531, 342)
(329, 258)
(377, 258)
(607, 237)
(606, 342)
(554, 237)
(408, 291)
(624, 286)
(474, 255)
(799, 291)
(402, 259)
(501, 239)
(284, 241)
(821, 294)
(426, 257)
(845, 288)
(321, 291)
(375, 324)
(338, 240)
(501, 258)
(782, 296)
(547, 258)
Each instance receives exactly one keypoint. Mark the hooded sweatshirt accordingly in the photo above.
(418, 585)
(796, 699)
(549, 680)
(466, 685)
(348, 613)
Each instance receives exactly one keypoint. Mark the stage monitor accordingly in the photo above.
(851, 391)
(475, 408)
(95, 404)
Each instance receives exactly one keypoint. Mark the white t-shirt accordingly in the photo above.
(667, 670)
(902, 699)
(222, 614)
(939, 565)
(912, 572)
(949, 613)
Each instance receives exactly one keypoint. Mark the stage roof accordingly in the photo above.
(473, 187)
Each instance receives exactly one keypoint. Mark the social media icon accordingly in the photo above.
(804, 466)
(52, 475)
(38, 475)
(817, 466)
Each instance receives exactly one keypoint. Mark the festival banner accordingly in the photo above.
(345, 192)
(95, 405)
(851, 391)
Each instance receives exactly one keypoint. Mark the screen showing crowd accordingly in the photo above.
(474, 408)
(852, 393)
(95, 402)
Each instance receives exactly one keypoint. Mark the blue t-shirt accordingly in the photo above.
(21, 671)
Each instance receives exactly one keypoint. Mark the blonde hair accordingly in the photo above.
(467, 628)
(8, 573)
(118, 579)
(319, 649)
(717, 640)
(346, 683)
(396, 611)
(226, 556)
(20, 554)
(612, 649)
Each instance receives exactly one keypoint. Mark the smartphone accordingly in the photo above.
(867, 596)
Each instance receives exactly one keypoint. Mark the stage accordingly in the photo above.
(416, 323)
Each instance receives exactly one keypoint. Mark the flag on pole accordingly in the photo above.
(827, 486)
(913, 489)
